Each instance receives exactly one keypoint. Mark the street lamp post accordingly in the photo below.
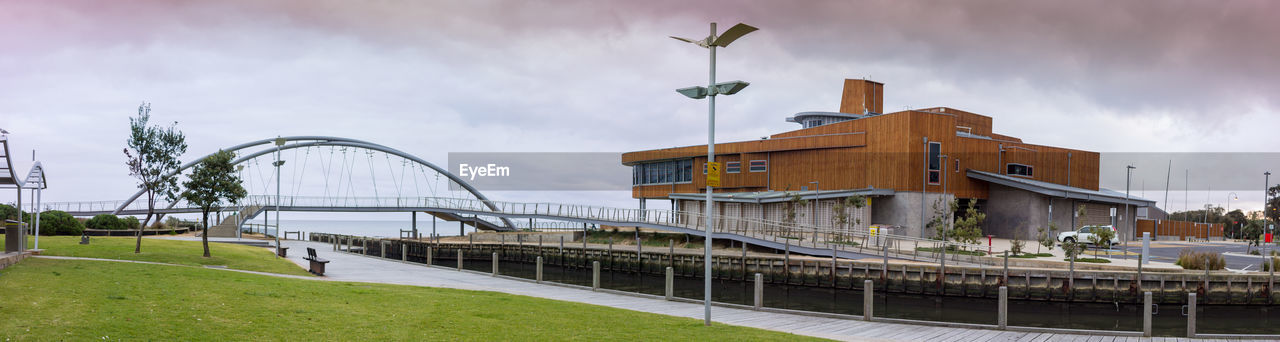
(1230, 196)
(278, 163)
(1128, 173)
(1266, 183)
(710, 92)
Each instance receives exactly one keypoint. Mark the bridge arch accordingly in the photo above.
(294, 142)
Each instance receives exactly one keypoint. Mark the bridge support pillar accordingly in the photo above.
(495, 264)
(868, 299)
(759, 291)
(595, 275)
(539, 271)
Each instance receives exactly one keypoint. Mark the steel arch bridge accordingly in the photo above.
(467, 205)
(255, 205)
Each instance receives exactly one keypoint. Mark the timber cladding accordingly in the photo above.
(881, 151)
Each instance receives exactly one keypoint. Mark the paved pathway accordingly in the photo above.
(351, 267)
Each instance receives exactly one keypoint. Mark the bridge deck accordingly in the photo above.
(352, 267)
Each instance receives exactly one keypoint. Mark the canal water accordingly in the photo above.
(1168, 320)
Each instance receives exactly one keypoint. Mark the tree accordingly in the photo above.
(56, 222)
(1233, 222)
(1046, 237)
(791, 212)
(1101, 236)
(105, 222)
(1253, 233)
(969, 228)
(152, 153)
(943, 213)
(212, 182)
(1272, 213)
(842, 216)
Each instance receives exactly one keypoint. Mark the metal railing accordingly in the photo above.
(787, 233)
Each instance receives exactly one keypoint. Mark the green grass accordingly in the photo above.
(1091, 260)
(98, 300)
(1031, 255)
(951, 251)
(239, 257)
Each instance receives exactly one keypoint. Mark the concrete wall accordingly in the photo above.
(903, 209)
(1013, 213)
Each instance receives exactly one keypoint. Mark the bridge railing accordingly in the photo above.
(787, 233)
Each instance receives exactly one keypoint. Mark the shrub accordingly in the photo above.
(1255, 252)
(56, 222)
(105, 221)
(131, 222)
(1192, 260)
(1267, 267)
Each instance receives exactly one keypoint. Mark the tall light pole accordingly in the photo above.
(712, 89)
(239, 219)
(279, 142)
(1266, 183)
(1230, 196)
(1128, 173)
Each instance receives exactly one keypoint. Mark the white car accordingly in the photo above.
(1084, 233)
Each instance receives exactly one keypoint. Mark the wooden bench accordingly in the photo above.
(282, 251)
(317, 264)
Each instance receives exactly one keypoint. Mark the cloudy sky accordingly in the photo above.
(597, 76)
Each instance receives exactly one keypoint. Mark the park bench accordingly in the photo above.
(317, 264)
(283, 252)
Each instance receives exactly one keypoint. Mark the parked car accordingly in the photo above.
(1084, 234)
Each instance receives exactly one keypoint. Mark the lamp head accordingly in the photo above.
(693, 92)
(731, 87)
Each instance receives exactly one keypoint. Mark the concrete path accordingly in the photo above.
(357, 268)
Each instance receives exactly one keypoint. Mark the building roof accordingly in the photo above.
(779, 196)
(1059, 190)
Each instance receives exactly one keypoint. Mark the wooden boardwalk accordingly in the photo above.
(351, 267)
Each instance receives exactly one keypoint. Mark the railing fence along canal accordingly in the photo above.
(806, 238)
(1100, 302)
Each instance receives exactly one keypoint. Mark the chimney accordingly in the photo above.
(862, 96)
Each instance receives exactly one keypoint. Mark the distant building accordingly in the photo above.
(904, 162)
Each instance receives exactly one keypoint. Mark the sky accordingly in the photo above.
(434, 77)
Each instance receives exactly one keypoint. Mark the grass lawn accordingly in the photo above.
(82, 300)
(169, 251)
(1031, 255)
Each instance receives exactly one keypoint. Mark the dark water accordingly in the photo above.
(1167, 321)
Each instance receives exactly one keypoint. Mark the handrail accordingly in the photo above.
(857, 240)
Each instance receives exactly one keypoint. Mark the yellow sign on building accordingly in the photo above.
(713, 174)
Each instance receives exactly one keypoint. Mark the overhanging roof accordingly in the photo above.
(779, 196)
(1059, 190)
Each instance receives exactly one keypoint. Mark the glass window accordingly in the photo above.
(758, 166)
(733, 167)
(935, 150)
(1019, 170)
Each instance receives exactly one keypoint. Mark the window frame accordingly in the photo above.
(1031, 171)
(733, 167)
(763, 164)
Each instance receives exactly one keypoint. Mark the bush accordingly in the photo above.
(131, 222)
(1192, 260)
(105, 221)
(56, 222)
(1267, 267)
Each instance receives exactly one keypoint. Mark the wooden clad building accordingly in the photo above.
(905, 161)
